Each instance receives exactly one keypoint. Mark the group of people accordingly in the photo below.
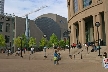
(57, 57)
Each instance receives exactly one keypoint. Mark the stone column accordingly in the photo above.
(81, 4)
(99, 19)
(71, 8)
(106, 27)
(95, 29)
(73, 32)
(83, 37)
(80, 35)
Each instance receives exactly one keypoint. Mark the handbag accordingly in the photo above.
(55, 58)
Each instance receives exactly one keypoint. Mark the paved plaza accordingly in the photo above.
(23, 65)
(37, 63)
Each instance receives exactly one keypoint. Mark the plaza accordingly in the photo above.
(37, 63)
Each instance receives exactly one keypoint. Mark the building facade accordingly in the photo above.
(13, 26)
(82, 16)
(2, 6)
(52, 23)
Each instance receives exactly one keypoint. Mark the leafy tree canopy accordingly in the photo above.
(53, 39)
(32, 41)
(2, 40)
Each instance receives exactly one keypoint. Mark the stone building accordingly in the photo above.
(13, 26)
(52, 23)
(82, 16)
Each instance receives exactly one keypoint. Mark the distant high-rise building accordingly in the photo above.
(2, 6)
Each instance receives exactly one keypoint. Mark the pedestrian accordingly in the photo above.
(55, 57)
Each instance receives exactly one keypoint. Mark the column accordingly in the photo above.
(106, 27)
(73, 32)
(83, 31)
(68, 12)
(80, 38)
(99, 19)
(71, 8)
(95, 30)
(81, 4)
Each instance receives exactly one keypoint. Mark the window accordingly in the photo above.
(7, 38)
(7, 27)
(1, 26)
(75, 6)
(87, 3)
(62, 22)
(7, 19)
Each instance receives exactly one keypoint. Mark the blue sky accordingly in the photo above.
(22, 7)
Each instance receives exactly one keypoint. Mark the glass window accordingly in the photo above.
(1, 26)
(7, 27)
(7, 38)
(86, 3)
(75, 6)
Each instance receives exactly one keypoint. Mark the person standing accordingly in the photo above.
(55, 57)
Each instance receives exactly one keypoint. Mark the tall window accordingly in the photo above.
(1, 26)
(87, 3)
(7, 38)
(7, 27)
(75, 5)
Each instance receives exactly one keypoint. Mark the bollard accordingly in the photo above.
(74, 56)
(29, 56)
(81, 56)
(87, 49)
(70, 56)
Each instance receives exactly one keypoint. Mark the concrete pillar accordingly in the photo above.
(83, 37)
(73, 32)
(99, 19)
(71, 8)
(68, 12)
(106, 26)
(81, 4)
(95, 29)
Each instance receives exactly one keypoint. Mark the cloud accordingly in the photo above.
(22, 7)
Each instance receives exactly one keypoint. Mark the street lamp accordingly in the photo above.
(66, 34)
(44, 45)
(97, 24)
(21, 46)
(10, 46)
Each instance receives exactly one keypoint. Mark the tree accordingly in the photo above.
(62, 43)
(43, 42)
(32, 41)
(17, 41)
(2, 40)
(53, 39)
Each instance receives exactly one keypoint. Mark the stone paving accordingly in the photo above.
(23, 65)
(39, 64)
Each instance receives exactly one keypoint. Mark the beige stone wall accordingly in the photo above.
(93, 10)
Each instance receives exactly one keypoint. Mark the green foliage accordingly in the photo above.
(32, 41)
(53, 39)
(43, 42)
(62, 43)
(49, 44)
(67, 42)
(2, 40)
(17, 41)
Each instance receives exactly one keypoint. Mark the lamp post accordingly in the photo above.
(21, 46)
(10, 46)
(66, 34)
(97, 24)
(45, 46)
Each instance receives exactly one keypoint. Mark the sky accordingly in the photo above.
(22, 7)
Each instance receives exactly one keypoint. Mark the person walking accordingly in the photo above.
(55, 57)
